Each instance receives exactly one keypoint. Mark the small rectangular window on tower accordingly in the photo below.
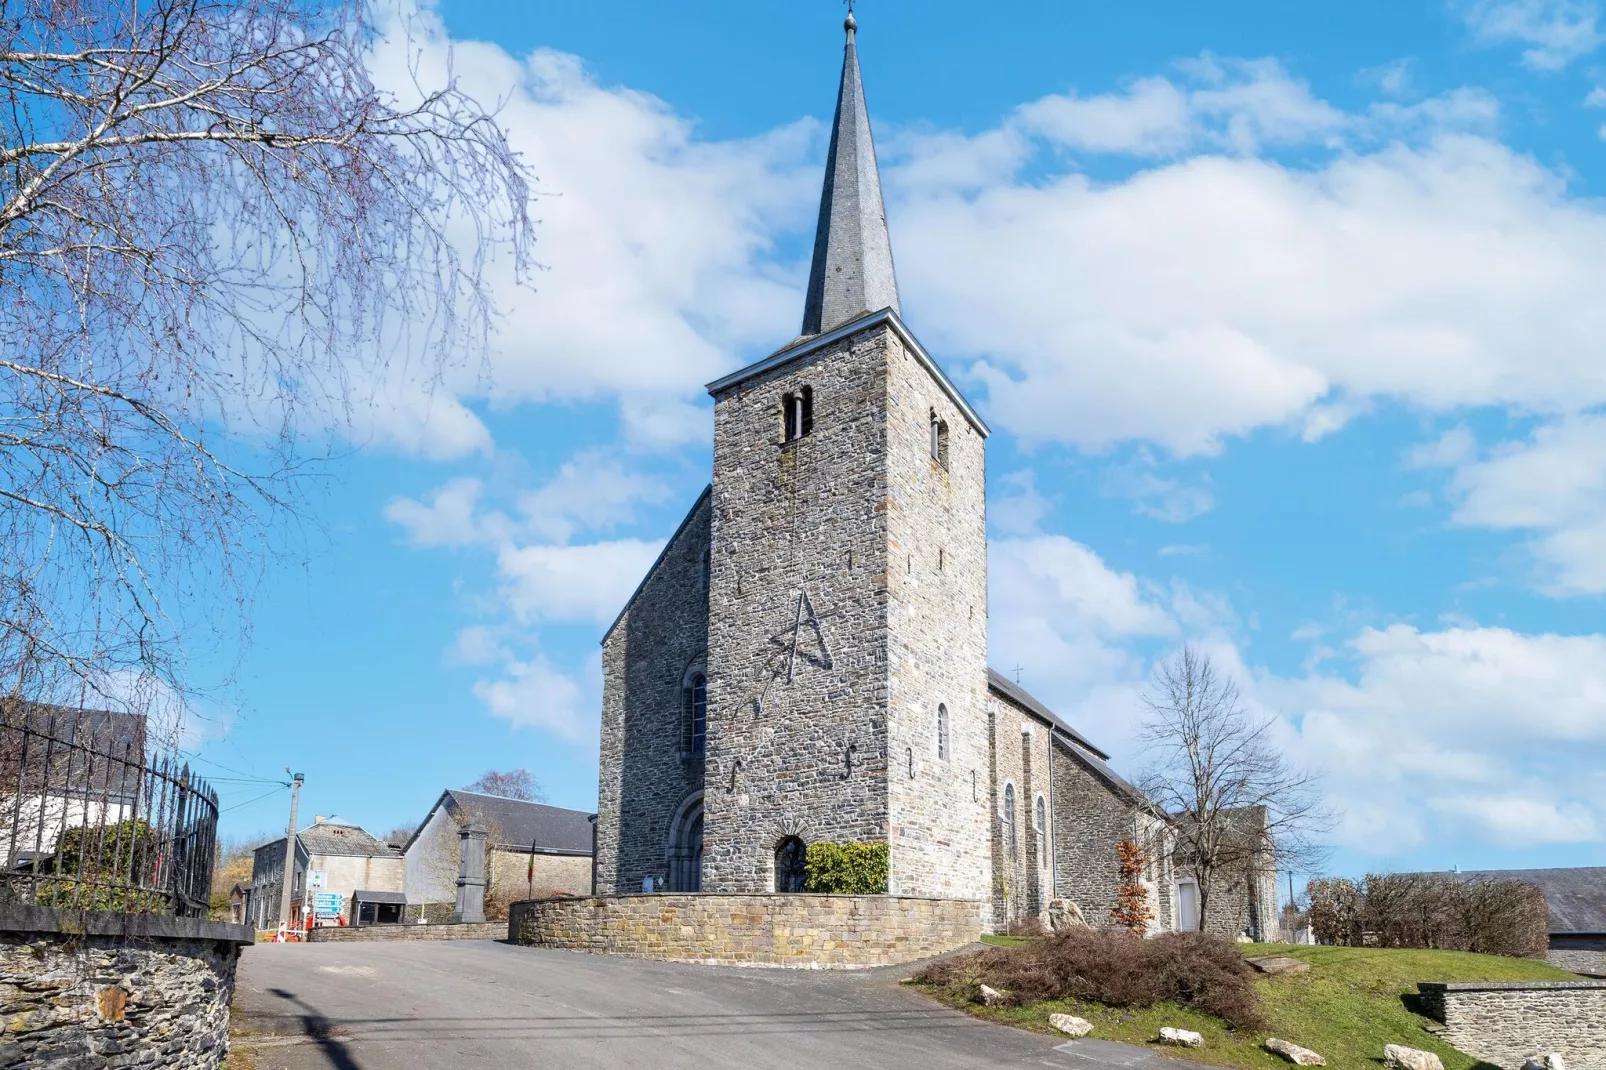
(797, 414)
(939, 440)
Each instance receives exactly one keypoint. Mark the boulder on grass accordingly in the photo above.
(991, 996)
(1294, 1053)
(1399, 1057)
(1548, 1061)
(1185, 1038)
(1276, 965)
(1070, 1024)
(1065, 914)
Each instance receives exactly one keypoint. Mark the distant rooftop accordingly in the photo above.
(1576, 897)
(329, 838)
(519, 825)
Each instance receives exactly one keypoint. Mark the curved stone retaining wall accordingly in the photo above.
(1504, 1022)
(97, 991)
(836, 931)
(480, 930)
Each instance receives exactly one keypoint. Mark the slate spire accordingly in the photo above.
(852, 270)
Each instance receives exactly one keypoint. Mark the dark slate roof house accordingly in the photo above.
(516, 824)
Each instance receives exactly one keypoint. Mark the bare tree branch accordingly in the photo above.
(1238, 803)
(217, 233)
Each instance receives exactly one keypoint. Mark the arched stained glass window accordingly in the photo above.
(942, 732)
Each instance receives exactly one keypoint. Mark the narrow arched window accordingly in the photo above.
(707, 568)
(1009, 820)
(909, 755)
(694, 715)
(939, 440)
(1040, 821)
(942, 732)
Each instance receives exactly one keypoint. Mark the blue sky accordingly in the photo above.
(1286, 319)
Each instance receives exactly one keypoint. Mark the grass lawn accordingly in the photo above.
(1346, 1007)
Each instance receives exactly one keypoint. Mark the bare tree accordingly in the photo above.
(1239, 806)
(512, 784)
(219, 235)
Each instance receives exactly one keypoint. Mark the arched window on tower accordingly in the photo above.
(1040, 822)
(797, 414)
(1009, 821)
(942, 732)
(939, 440)
(694, 714)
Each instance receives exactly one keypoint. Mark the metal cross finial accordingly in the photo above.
(1016, 671)
(852, 23)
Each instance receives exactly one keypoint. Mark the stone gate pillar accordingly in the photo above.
(470, 873)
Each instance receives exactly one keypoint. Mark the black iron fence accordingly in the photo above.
(89, 821)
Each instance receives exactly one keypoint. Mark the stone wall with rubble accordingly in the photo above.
(646, 772)
(111, 990)
(808, 931)
(797, 745)
(1506, 1022)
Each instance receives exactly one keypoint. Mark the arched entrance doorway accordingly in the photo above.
(686, 847)
(789, 870)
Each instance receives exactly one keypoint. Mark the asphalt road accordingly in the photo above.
(492, 1006)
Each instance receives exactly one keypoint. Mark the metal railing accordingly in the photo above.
(88, 822)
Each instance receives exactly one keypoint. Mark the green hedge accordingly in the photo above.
(845, 868)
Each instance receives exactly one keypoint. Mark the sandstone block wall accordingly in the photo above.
(804, 753)
(488, 930)
(752, 930)
(96, 991)
(645, 776)
(1505, 1022)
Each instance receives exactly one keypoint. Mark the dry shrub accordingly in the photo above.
(1115, 969)
(1432, 910)
(1025, 927)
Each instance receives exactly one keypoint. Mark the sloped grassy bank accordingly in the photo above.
(1347, 1007)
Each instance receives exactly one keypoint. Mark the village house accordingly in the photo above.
(344, 858)
(532, 851)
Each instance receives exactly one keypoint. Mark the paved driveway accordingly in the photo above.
(492, 1006)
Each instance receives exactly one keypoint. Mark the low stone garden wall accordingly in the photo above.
(485, 930)
(835, 931)
(1504, 1022)
(96, 991)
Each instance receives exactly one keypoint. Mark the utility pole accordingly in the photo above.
(290, 850)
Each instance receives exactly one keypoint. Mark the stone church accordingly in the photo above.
(807, 659)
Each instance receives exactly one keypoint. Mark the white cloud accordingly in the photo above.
(1212, 296)
(448, 517)
(573, 583)
(590, 492)
(1467, 731)
(534, 694)
(1553, 485)
(657, 248)
(1556, 31)
(1153, 495)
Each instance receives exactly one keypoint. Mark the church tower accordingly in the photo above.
(846, 665)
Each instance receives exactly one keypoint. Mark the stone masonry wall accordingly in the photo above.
(805, 756)
(645, 778)
(1505, 1022)
(566, 874)
(92, 991)
(1578, 953)
(486, 930)
(937, 639)
(1023, 876)
(752, 930)
(1091, 820)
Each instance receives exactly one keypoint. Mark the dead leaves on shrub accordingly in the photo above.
(1115, 969)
